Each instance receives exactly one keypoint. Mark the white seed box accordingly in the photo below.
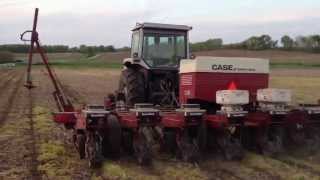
(232, 97)
(274, 95)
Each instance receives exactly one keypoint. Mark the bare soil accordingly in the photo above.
(17, 139)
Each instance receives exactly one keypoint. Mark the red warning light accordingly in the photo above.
(232, 86)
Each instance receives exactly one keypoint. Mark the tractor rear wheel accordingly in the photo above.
(132, 85)
(111, 143)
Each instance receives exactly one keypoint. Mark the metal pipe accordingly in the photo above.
(34, 37)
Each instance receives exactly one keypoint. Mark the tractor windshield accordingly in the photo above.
(160, 51)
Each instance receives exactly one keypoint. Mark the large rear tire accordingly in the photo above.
(132, 85)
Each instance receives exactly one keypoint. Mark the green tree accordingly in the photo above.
(109, 48)
(91, 51)
(260, 42)
(83, 49)
(253, 43)
(315, 42)
(307, 43)
(287, 42)
(209, 44)
(125, 48)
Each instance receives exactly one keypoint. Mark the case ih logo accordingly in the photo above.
(224, 67)
(230, 67)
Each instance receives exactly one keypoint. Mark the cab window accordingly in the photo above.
(161, 50)
(135, 43)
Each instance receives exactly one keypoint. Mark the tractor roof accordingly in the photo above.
(147, 25)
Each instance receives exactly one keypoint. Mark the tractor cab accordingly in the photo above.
(159, 46)
(151, 75)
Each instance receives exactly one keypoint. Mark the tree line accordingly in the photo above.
(209, 44)
(309, 43)
(24, 48)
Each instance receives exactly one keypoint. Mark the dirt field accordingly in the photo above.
(33, 147)
(18, 153)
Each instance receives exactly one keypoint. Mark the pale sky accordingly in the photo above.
(108, 22)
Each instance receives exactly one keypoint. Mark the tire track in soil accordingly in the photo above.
(4, 72)
(263, 174)
(217, 172)
(9, 88)
(295, 165)
(299, 165)
(259, 173)
(23, 108)
(5, 81)
(3, 75)
(33, 164)
(220, 173)
(218, 168)
(5, 86)
(226, 174)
